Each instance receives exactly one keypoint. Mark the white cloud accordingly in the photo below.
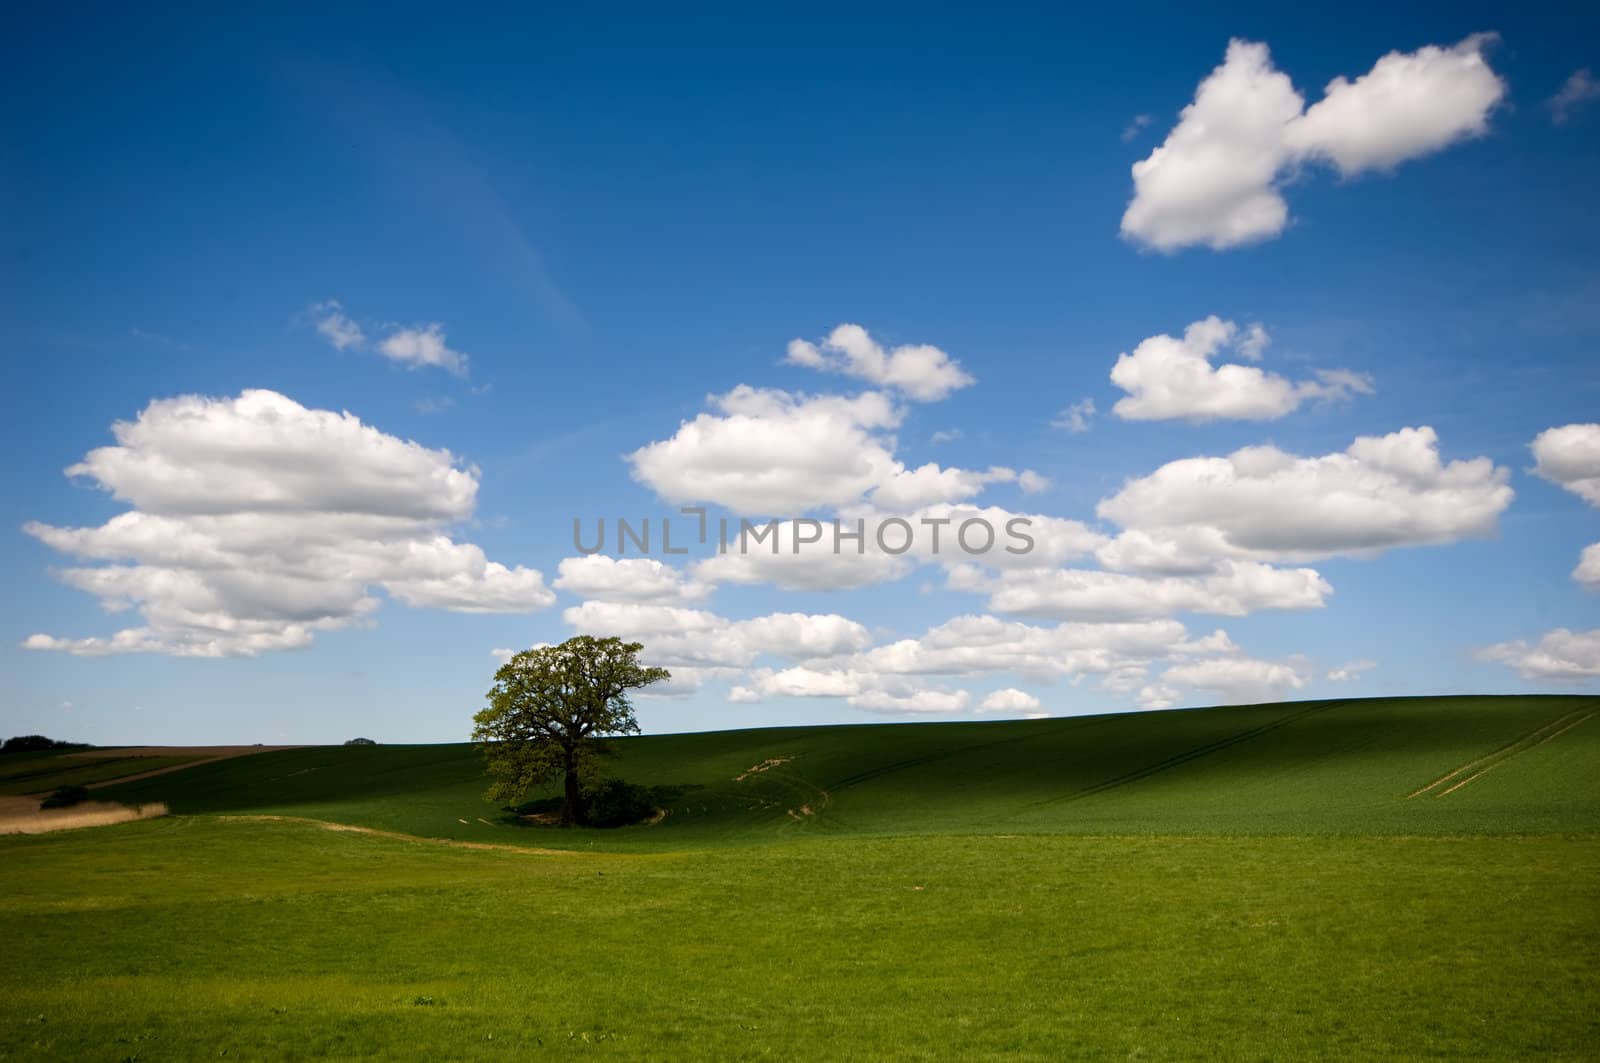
(1234, 588)
(1560, 654)
(1410, 104)
(1264, 504)
(1350, 671)
(1588, 571)
(1135, 126)
(1044, 541)
(945, 435)
(1234, 680)
(422, 346)
(1009, 700)
(979, 645)
(766, 451)
(634, 579)
(336, 326)
(807, 555)
(1570, 456)
(928, 484)
(913, 703)
(1167, 378)
(895, 676)
(919, 371)
(1032, 483)
(1578, 91)
(1216, 179)
(675, 636)
(778, 559)
(1076, 418)
(257, 522)
(415, 347)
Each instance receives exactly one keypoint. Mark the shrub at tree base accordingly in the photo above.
(610, 803)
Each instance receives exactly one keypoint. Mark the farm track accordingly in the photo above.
(1489, 761)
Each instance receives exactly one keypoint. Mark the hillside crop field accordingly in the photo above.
(1366, 879)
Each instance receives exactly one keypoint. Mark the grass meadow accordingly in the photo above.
(1383, 879)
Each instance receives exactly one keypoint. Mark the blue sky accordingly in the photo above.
(615, 219)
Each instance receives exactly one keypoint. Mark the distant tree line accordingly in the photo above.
(36, 744)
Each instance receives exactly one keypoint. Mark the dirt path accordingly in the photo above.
(394, 835)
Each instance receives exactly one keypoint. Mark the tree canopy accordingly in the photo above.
(549, 710)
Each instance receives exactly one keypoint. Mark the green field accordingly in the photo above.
(1406, 878)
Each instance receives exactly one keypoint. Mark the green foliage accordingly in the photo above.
(66, 797)
(548, 710)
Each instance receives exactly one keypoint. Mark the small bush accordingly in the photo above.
(361, 742)
(66, 797)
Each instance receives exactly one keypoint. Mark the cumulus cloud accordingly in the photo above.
(1234, 588)
(1076, 418)
(862, 690)
(1217, 178)
(767, 451)
(1262, 503)
(1560, 654)
(1167, 377)
(1577, 92)
(633, 579)
(812, 555)
(1235, 680)
(910, 675)
(414, 347)
(1570, 456)
(423, 346)
(336, 326)
(975, 645)
(675, 636)
(802, 556)
(1009, 700)
(920, 372)
(256, 522)
(1032, 483)
(1588, 571)
(1350, 671)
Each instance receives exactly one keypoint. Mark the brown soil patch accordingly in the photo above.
(765, 765)
(22, 815)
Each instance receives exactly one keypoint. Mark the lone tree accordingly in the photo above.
(548, 710)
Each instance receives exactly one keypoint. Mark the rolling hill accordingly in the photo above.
(1406, 766)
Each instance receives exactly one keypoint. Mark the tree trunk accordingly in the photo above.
(572, 798)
